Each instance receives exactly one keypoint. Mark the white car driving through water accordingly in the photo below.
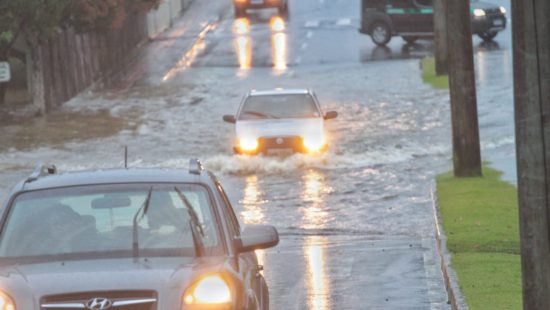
(280, 121)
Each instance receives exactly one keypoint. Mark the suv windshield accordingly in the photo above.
(99, 220)
(279, 106)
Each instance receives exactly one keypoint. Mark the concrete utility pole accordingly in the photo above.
(440, 31)
(531, 41)
(466, 149)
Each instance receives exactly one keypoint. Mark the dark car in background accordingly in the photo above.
(242, 5)
(413, 19)
(121, 239)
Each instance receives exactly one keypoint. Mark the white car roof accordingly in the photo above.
(279, 91)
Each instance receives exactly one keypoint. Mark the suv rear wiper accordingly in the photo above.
(196, 227)
(144, 207)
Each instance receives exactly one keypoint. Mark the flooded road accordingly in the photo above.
(356, 223)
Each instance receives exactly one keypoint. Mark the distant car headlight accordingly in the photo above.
(314, 143)
(6, 303)
(211, 290)
(248, 144)
(479, 13)
(502, 10)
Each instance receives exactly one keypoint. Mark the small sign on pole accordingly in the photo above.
(5, 74)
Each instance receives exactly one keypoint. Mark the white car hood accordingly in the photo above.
(279, 127)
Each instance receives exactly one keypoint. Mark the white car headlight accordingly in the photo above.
(248, 144)
(314, 143)
(479, 13)
(502, 10)
(6, 303)
(211, 290)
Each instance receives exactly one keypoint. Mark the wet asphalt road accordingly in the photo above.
(356, 224)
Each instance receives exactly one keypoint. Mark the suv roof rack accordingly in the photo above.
(195, 166)
(41, 171)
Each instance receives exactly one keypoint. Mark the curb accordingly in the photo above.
(455, 297)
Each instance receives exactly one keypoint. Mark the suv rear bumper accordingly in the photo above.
(250, 4)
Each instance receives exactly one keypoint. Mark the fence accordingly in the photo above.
(161, 19)
(71, 62)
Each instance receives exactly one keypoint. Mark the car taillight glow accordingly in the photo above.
(277, 24)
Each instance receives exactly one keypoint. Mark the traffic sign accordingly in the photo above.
(5, 74)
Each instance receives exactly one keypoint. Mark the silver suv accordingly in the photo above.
(128, 239)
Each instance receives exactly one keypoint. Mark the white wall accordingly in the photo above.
(162, 18)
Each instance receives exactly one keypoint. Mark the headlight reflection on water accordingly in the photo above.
(243, 43)
(279, 51)
(252, 201)
(317, 285)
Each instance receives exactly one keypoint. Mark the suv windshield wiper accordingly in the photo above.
(144, 207)
(260, 114)
(196, 227)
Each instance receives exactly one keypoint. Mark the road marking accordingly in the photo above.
(344, 22)
(312, 24)
(309, 34)
(304, 46)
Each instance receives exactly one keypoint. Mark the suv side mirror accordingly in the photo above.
(331, 115)
(229, 119)
(257, 237)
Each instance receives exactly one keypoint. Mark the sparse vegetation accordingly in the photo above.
(429, 76)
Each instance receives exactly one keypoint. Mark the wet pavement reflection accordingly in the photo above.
(318, 286)
(243, 43)
(252, 202)
(313, 198)
(191, 55)
(279, 50)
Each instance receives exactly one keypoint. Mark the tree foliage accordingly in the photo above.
(34, 18)
(39, 19)
(103, 15)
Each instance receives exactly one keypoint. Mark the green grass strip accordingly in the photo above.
(429, 76)
(480, 219)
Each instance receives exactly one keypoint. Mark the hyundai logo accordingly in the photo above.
(99, 303)
(279, 140)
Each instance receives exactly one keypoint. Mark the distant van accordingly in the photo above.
(413, 19)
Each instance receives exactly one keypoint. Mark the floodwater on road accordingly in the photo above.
(356, 223)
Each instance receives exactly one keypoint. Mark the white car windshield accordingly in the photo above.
(100, 220)
(279, 106)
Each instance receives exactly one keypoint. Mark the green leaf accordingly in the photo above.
(6, 36)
